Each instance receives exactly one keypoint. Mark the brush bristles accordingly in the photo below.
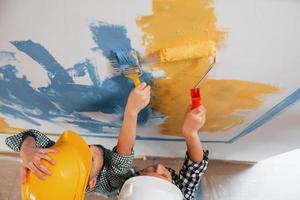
(132, 70)
(123, 58)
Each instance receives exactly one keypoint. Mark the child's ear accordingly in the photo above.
(92, 183)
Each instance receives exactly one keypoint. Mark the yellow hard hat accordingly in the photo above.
(69, 175)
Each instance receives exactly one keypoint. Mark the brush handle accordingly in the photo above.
(196, 97)
(135, 78)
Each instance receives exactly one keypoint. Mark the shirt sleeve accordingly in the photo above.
(120, 168)
(15, 141)
(189, 176)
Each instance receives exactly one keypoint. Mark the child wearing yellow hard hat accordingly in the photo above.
(109, 169)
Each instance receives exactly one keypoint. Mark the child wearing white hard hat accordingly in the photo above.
(161, 183)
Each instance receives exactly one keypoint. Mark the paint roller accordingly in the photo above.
(195, 91)
(198, 50)
(127, 61)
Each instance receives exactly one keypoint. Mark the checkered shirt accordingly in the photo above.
(189, 176)
(115, 171)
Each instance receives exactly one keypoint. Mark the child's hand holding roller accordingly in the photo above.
(194, 120)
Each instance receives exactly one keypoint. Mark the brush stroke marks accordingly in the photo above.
(109, 37)
(63, 98)
(86, 67)
(7, 56)
(225, 98)
(37, 52)
(178, 23)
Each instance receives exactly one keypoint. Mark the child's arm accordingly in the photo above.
(193, 121)
(32, 146)
(122, 155)
(138, 99)
(196, 160)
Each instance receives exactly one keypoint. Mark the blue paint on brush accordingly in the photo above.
(124, 58)
(109, 38)
(114, 44)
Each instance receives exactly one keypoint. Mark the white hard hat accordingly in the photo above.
(149, 188)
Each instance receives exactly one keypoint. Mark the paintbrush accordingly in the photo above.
(129, 58)
(127, 62)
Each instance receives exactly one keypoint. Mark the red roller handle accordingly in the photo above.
(196, 97)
